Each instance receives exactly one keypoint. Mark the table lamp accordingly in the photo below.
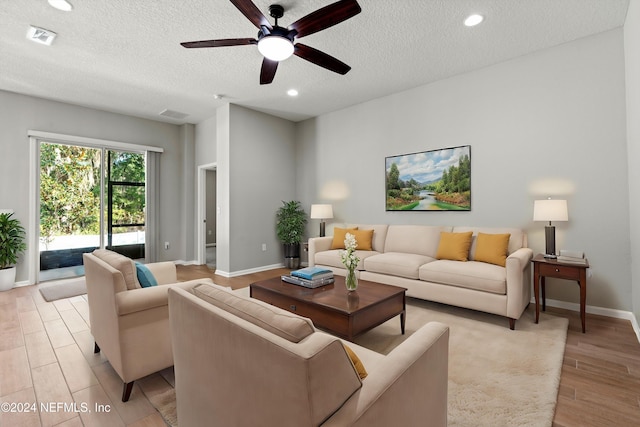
(321, 212)
(550, 210)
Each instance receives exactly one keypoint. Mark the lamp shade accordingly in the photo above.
(321, 211)
(550, 210)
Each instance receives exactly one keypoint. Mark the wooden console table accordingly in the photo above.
(545, 267)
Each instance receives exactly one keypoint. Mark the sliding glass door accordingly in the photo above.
(125, 213)
(89, 198)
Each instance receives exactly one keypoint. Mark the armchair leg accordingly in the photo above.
(126, 391)
(512, 323)
(96, 349)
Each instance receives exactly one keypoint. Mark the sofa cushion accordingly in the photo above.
(414, 239)
(396, 264)
(471, 275)
(357, 363)
(517, 240)
(492, 248)
(331, 258)
(454, 246)
(280, 322)
(144, 275)
(339, 234)
(125, 265)
(363, 239)
(379, 234)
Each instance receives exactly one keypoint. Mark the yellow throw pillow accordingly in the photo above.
(357, 363)
(338, 236)
(454, 246)
(492, 248)
(364, 239)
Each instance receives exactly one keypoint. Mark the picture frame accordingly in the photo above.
(432, 180)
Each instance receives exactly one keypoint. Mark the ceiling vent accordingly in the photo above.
(173, 114)
(40, 35)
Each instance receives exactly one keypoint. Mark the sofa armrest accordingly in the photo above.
(137, 300)
(407, 387)
(318, 244)
(518, 281)
(164, 272)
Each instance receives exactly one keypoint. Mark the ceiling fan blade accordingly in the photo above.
(219, 43)
(320, 58)
(326, 17)
(268, 71)
(251, 11)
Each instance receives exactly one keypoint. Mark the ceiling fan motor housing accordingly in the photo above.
(276, 11)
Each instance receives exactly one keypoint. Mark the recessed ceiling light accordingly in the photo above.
(40, 35)
(473, 20)
(292, 92)
(63, 5)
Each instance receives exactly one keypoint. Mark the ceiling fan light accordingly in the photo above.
(473, 20)
(62, 5)
(275, 48)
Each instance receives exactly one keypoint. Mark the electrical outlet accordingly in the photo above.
(264, 247)
(166, 245)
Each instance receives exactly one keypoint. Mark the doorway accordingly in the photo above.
(207, 215)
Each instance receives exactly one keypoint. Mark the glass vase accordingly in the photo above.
(351, 281)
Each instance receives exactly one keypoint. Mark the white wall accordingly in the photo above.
(20, 113)
(632, 62)
(261, 175)
(547, 124)
(206, 141)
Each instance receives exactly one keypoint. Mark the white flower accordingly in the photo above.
(348, 256)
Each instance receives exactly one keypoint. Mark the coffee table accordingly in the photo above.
(331, 307)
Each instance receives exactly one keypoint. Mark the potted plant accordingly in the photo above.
(12, 244)
(290, 223)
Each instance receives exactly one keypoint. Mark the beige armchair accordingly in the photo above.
(130, 324)
(242, 362)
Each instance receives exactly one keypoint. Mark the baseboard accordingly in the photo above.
(23, 283)
(601, 311)
(248, 271)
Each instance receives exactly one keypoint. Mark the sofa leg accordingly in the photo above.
(512, 323)
(126, 391)
(96, 348)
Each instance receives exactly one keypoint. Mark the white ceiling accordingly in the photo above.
(124, 55)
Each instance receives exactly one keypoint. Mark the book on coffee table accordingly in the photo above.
(315, 283)
(312, 273)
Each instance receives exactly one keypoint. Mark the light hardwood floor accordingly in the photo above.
(46, 355)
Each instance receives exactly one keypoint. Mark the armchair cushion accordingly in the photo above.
(357, 363)
(144, 275)
(121, 263)
(273, 319)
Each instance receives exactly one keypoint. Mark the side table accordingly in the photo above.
(546, 267)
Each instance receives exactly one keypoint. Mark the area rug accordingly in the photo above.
(497, 377)
(60, 289)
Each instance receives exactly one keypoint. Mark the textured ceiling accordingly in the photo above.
(124, 55)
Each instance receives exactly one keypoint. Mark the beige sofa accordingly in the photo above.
(130, 324)
(242, 362)
(405, 255)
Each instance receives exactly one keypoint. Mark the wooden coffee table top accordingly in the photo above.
(335, 295)
(332, 307)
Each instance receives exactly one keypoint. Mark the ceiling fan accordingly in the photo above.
(277, 43)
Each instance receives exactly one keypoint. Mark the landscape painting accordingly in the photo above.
(437, 180)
